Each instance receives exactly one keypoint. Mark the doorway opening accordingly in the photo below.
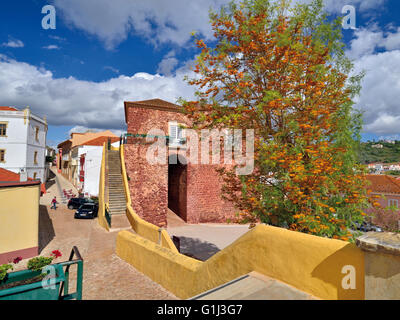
(177, 186)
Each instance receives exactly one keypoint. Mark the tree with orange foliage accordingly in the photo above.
(281, 71)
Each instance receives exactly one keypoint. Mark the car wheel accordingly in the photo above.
(71, 207)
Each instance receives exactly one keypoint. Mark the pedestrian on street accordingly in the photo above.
(54, 203)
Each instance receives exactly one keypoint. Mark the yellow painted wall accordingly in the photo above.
(101, 218)
(311, 264)
(19, 218)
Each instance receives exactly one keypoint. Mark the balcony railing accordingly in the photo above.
(136, 138)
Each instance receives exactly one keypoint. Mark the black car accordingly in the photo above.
(367, 227)
(87, 211)
(75, 203)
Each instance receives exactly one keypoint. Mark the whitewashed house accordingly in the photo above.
(23, 142)
(81, 159)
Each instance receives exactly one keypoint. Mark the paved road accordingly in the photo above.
(106, 276)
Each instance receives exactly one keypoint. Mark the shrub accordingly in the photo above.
(4, 270)
(36, 264)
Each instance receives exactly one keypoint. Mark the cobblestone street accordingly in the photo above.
(105, 276)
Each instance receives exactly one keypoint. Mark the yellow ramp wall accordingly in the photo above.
(143, 228)
(19, 218)
(101, 218)
(311, 264)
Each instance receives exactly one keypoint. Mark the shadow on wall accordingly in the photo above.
(46, 229)
(197, 249)
(339, 268)
(51, 181)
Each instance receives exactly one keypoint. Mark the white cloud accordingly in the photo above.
(381, 85)
(362, 5)
(115, 70)
(161, 21)
(57, 38)
(379, 98)
(367, 40)
(168, 63)
(13, 43)
(73, 102)
(51, 47)
(157, 21)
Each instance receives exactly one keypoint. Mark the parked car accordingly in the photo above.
(367, 227)
(75, 203)
(87, 211)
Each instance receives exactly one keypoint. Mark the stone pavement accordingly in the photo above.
(105, 275)
(255, 286)
(202, 241)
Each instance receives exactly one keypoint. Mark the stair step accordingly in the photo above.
(117, 212)
(117, 205)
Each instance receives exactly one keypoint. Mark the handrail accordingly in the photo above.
(65, 284)
(107, 213)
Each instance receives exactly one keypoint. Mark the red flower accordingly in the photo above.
(56, 254)
(17, 259)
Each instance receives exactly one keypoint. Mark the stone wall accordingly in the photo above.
(148, 183)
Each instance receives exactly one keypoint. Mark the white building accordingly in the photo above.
(87, 159)
(23, 142)
(83, 154)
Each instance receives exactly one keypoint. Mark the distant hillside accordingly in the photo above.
(388, 154)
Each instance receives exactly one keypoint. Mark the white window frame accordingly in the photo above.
(175, 140)
(6, 124)
(393, 202)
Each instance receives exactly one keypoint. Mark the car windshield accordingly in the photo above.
(87, 207)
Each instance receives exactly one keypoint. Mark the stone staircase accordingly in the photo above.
(116, 192)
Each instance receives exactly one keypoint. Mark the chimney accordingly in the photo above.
(23, 176)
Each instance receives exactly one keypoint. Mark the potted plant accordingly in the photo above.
(37, 282)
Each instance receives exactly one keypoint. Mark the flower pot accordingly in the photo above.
(32, 291)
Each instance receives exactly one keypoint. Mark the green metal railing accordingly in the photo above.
(79, 278)
(124, 137)
(107, 215)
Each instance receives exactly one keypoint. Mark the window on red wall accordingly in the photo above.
(393, 203)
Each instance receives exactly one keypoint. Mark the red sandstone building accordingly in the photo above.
(192, 191)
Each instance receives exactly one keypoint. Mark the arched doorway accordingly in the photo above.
(177, 186)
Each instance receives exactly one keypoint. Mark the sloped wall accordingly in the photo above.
(309, 263)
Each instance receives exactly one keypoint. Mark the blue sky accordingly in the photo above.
(105, 52)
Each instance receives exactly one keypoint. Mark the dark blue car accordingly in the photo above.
(87, 211)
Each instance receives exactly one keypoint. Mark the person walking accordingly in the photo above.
(54, 203)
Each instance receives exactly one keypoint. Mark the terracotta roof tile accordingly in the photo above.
(99, 141)
(383, 183)
(158, 104)
(11, 179)
(8, 109)
(6, 175)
